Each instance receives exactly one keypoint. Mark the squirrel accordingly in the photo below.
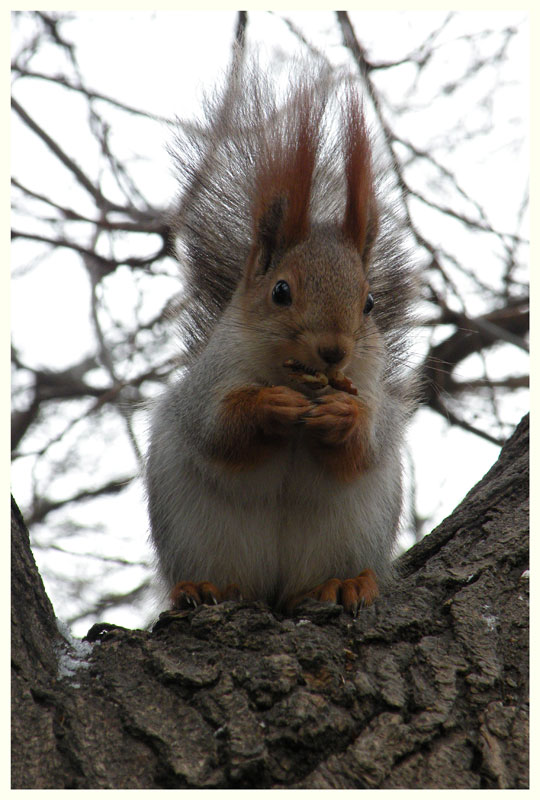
(274, 466)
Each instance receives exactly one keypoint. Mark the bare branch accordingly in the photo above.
(44, 506)
(104, 265)
(141, 225)
(102, 203)
(112, 600)
(90, 94)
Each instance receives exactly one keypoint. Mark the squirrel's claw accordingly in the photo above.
(186, 594)
(190, 595)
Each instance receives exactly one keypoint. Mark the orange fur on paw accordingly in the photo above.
(186, 594)
(339, 428)
(279, 407)
(255, 421)
(352, 593)
(333, 418)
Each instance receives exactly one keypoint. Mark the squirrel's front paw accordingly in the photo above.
(334, 417)
(186, 594)
(279, 407)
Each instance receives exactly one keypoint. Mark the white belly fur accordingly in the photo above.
(278, 529)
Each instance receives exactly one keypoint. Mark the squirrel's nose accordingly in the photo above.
(332, 355)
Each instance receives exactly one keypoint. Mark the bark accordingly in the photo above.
(426, 689)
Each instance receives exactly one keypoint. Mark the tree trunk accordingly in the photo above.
(426, 689)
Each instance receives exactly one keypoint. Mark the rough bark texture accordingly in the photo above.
(426, 689)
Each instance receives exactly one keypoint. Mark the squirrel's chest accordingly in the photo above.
(291, 477)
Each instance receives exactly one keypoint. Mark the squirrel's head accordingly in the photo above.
(310, 305)
(305, 287)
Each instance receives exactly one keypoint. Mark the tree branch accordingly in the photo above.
(428, 688)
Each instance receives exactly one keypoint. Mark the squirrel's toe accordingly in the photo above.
(352, 593)
(187, 594)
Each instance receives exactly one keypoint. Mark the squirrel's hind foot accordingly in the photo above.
(352, 593)
(187, 594)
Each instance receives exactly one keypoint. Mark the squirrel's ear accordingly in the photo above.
(361, 222)
(284, 175)
(269, 232)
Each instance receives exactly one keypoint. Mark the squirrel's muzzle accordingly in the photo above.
(333, 354)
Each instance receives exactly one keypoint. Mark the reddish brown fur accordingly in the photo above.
(348, 458)
(360, 222)
(286, 174)
(351, 593)
(259, 421)
(186, 594)
(256, 422)
(251, 446)
(287, 169)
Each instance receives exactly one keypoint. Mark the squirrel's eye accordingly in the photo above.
(281, 294)
(370, 302)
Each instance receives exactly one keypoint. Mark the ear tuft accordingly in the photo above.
(360, 222)
(283, 182)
